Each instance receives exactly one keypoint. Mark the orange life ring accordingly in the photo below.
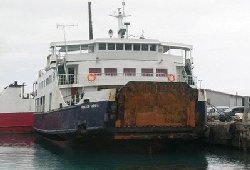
(91, 76)
(171, 77)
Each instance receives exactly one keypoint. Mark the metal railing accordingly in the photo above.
(190, 80)
(64, 79)
(121, 79)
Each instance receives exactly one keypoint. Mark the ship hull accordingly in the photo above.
(141, 111)
(19, 122)
(66, 123)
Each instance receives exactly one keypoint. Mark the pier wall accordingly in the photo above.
(233, 134)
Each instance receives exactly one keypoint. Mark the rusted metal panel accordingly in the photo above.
(157, 104)
(168, 136)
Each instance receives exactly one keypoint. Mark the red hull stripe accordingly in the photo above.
(16, 122)
(16, 129)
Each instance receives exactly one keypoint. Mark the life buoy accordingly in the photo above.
(91, 77)
(171, 77)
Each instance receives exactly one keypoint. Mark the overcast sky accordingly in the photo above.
(219, 31)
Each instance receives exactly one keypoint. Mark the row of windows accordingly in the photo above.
(127, 46)
(40, 103)
(47, 81)
(129, 71)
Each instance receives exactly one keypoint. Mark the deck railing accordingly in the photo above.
(67, 79)
(120, 79)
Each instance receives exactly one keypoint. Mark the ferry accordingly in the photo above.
(16, 110)
(118, 87)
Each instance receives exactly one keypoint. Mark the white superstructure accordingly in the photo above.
(77, 68)
(13, 100)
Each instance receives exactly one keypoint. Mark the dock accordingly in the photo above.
(232, 134)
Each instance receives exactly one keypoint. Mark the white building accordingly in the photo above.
(217, 98)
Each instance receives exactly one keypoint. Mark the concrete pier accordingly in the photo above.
(233, 134)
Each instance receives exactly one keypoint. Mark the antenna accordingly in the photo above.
(63, 27)
(123, 6)
(120, 16)
(90, 22)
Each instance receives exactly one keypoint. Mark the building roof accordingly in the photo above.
(222, 93)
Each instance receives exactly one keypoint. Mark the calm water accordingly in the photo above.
(31, 152)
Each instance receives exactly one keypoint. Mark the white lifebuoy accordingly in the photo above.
(171, 77)
(91, 77)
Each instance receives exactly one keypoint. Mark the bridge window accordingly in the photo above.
(97, 71)
(110, 71)
(152, 47)
(136, 47)
(161, 72)
(144, 47)
(111, 46)
(147, 72)
(102, 46)
(128, 47)
(119, 46)
(129, 71)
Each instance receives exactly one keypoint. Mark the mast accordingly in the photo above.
(90, 22)
(120, 16)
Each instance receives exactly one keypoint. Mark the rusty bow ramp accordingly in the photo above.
(149, 110)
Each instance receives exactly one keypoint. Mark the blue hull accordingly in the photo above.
(132, 116)
(70, 120)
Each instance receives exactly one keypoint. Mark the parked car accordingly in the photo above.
(222, 109)
(213, 113)
(233, 113)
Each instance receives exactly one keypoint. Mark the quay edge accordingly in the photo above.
(232, 134)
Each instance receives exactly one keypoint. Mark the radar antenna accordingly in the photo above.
(120, 16)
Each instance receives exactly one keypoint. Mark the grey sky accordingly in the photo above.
(219, 30)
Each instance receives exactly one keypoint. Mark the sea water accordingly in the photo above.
(33, 152)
